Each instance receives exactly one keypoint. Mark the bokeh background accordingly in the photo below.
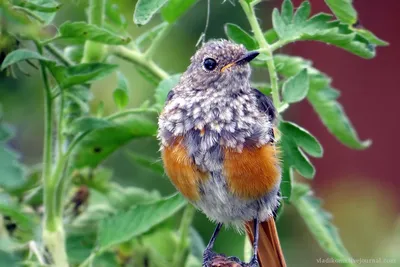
(360, 188)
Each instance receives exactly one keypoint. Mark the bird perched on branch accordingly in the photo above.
(218, 147)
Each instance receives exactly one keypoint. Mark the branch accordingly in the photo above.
(264, 48)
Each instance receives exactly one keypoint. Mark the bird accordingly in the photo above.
(218, 147)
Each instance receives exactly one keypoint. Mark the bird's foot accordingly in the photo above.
(212, 259)
(254, 262)
(208, 255)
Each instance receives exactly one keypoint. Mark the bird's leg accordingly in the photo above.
(208, 253)
(254, 259)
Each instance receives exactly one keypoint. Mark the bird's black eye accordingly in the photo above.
(210, 64)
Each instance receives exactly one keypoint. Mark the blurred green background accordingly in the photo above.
(360, 188)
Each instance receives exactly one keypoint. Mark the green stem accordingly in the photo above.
(53, 232)
(139, 59)
(52, 49)
(265, 48)
(94, 52)
(47, 149)
(157, 42)
(182, 249)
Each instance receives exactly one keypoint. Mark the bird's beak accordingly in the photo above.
(249, 56)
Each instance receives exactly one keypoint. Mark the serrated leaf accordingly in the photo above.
(175, 8)
(343, 10)
(296, 87)
(370, 37)
(81, 73)
(278, 23)
(149, 163)
(145, 9)
(121, 93)
(20, 55)
(123, 198)
(85, 124)
(302, 13)
(98, 145)
(287, 11)
(240, 36)
(319, 223)
(137, 221)
(323, 98)
(163, 89)
(148, 36)
(83, 31)
(294, 139)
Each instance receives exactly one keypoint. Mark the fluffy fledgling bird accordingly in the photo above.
(218, 147)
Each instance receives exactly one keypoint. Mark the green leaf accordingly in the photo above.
(271, 36)
(175, 8)
(74, 53)
(163, 89)
(121, 93)
(145, 9)
(323, 98)
(20, 55)
(343, 10)
(302, 13)
(238, 35)
(287, 11)
(48, 7)
(294, 140)
(278, 23)
(295, 88)
(44, 9)
(100, 143)
(26, 222)
(137, 221)
(85, 124)
(81, 73)
(12, 172)
(115, 16)
(149, 163)
(83, 31)
(319, 223)
(370, 37)
(123, 198)
(147, 37)
(8, 259)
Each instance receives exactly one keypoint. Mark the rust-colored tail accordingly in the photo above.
(269, 249)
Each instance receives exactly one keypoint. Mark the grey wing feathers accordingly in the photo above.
(265, 105)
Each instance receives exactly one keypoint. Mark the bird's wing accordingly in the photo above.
(265, 105)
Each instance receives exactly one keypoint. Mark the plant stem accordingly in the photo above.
(58, 54)
(53, 232)
(265, 48)
(157, 42)
(182, 249)
(94, 52)
(139, 59)
(47, 149)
